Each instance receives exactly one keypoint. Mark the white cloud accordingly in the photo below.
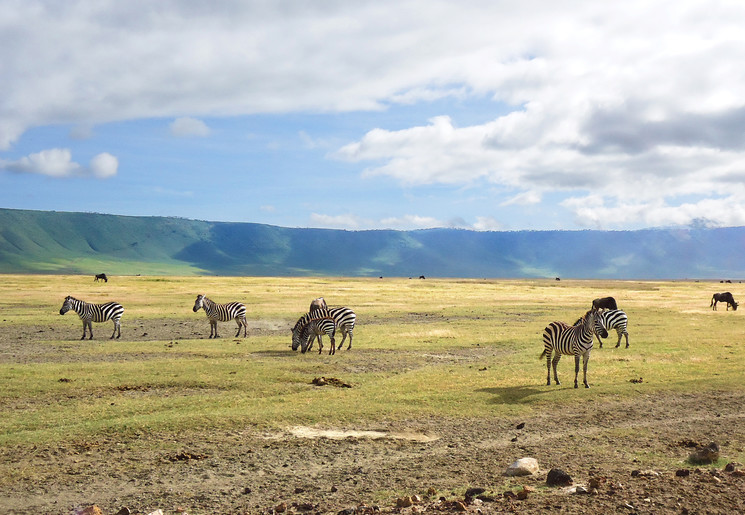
(336, 222)
(412, 222)
(185, 127)
(57, 162)
(639, 103)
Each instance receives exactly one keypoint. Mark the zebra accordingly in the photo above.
(314, 324)
(615, 319)
(560, 338)
(89, 313)
(222, 313)
(345, 319)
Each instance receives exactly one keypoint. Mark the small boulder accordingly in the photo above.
(705, 455)
(523, 467)
(557, 477)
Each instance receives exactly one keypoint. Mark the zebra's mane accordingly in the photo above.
(315, 315)
(581, 320)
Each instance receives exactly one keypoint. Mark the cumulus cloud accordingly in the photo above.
(638, 103)
(185, 127)
(57, 162)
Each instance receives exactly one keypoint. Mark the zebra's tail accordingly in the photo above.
(543, 354)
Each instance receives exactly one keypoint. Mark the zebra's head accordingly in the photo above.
(199, 304)
(66, 305)
(300, 336)
(597, 323)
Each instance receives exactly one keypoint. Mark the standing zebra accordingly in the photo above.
(560, 338)
(89, 313)
(615, 319)
(314, 324)
(222, 313)
(345, 319)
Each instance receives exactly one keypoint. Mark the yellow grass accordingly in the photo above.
(449, 348)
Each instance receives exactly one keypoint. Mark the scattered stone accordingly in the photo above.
(644, 473)
(595, 482)
(124, 511)
(432, 491)
(557, 477)
(682, 473)
(156, 512)
(523, 467)
(90, 510)
(404, 502)
(732, 466)
(509, 494)
(520, 425)
(299, 490)
(579, 489)
(523, 494)
(280, 508)
(705, 455)
(473, 492)
(636, 381)
(738, 473)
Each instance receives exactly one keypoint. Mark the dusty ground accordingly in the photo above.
(304, 470)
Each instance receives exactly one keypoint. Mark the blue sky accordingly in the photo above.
(405, 114)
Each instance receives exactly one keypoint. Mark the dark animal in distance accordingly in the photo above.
(723, 297)
(94, 313)
(101, 277)
(604, 303)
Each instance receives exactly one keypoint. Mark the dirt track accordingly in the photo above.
(302, 470)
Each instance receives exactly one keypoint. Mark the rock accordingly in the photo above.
(523, 467)
(404, 502)
(90, 510)
(705, 455)
(520, 425)
(732, 466)
(280, 508)
(682, 473)
(473, 492)
(581, 490)
(523, 494)
(124, 511)
(557, 477)
(644, 473)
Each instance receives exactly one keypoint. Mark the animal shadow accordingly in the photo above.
(512, 394)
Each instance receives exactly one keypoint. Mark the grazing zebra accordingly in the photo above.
(309, 326)
(560, 338)
(345, 319)
(222, 313)
(89, 313)
(615, 319)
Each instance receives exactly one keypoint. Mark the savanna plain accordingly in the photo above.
(441, 391)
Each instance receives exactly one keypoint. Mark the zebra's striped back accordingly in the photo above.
(311, 324)
(220, 312)
(89, 312)
(618, 320)
(561, 338)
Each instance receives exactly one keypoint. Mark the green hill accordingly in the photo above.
(88, 243)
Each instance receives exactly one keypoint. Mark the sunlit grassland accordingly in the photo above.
(434, 347)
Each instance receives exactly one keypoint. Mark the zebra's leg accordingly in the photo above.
(332, 350)
(114, 333)
(548, 369)
(344, 337)
(350, 340)
(90, 330)
(240, 325)
(620, 334)
(585, 361)
(599, 340)
(85, 325)
(576, 370)
(213, 329)
(626, 334)
(555, 362)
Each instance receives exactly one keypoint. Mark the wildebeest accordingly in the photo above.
(604, 303)
(101, 277)
(723, 297)
(318, 303)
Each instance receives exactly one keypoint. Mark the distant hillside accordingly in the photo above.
(87, 243)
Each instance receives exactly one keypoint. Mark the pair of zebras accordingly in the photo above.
(560, 338)
(113, 311)
(320, 320)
